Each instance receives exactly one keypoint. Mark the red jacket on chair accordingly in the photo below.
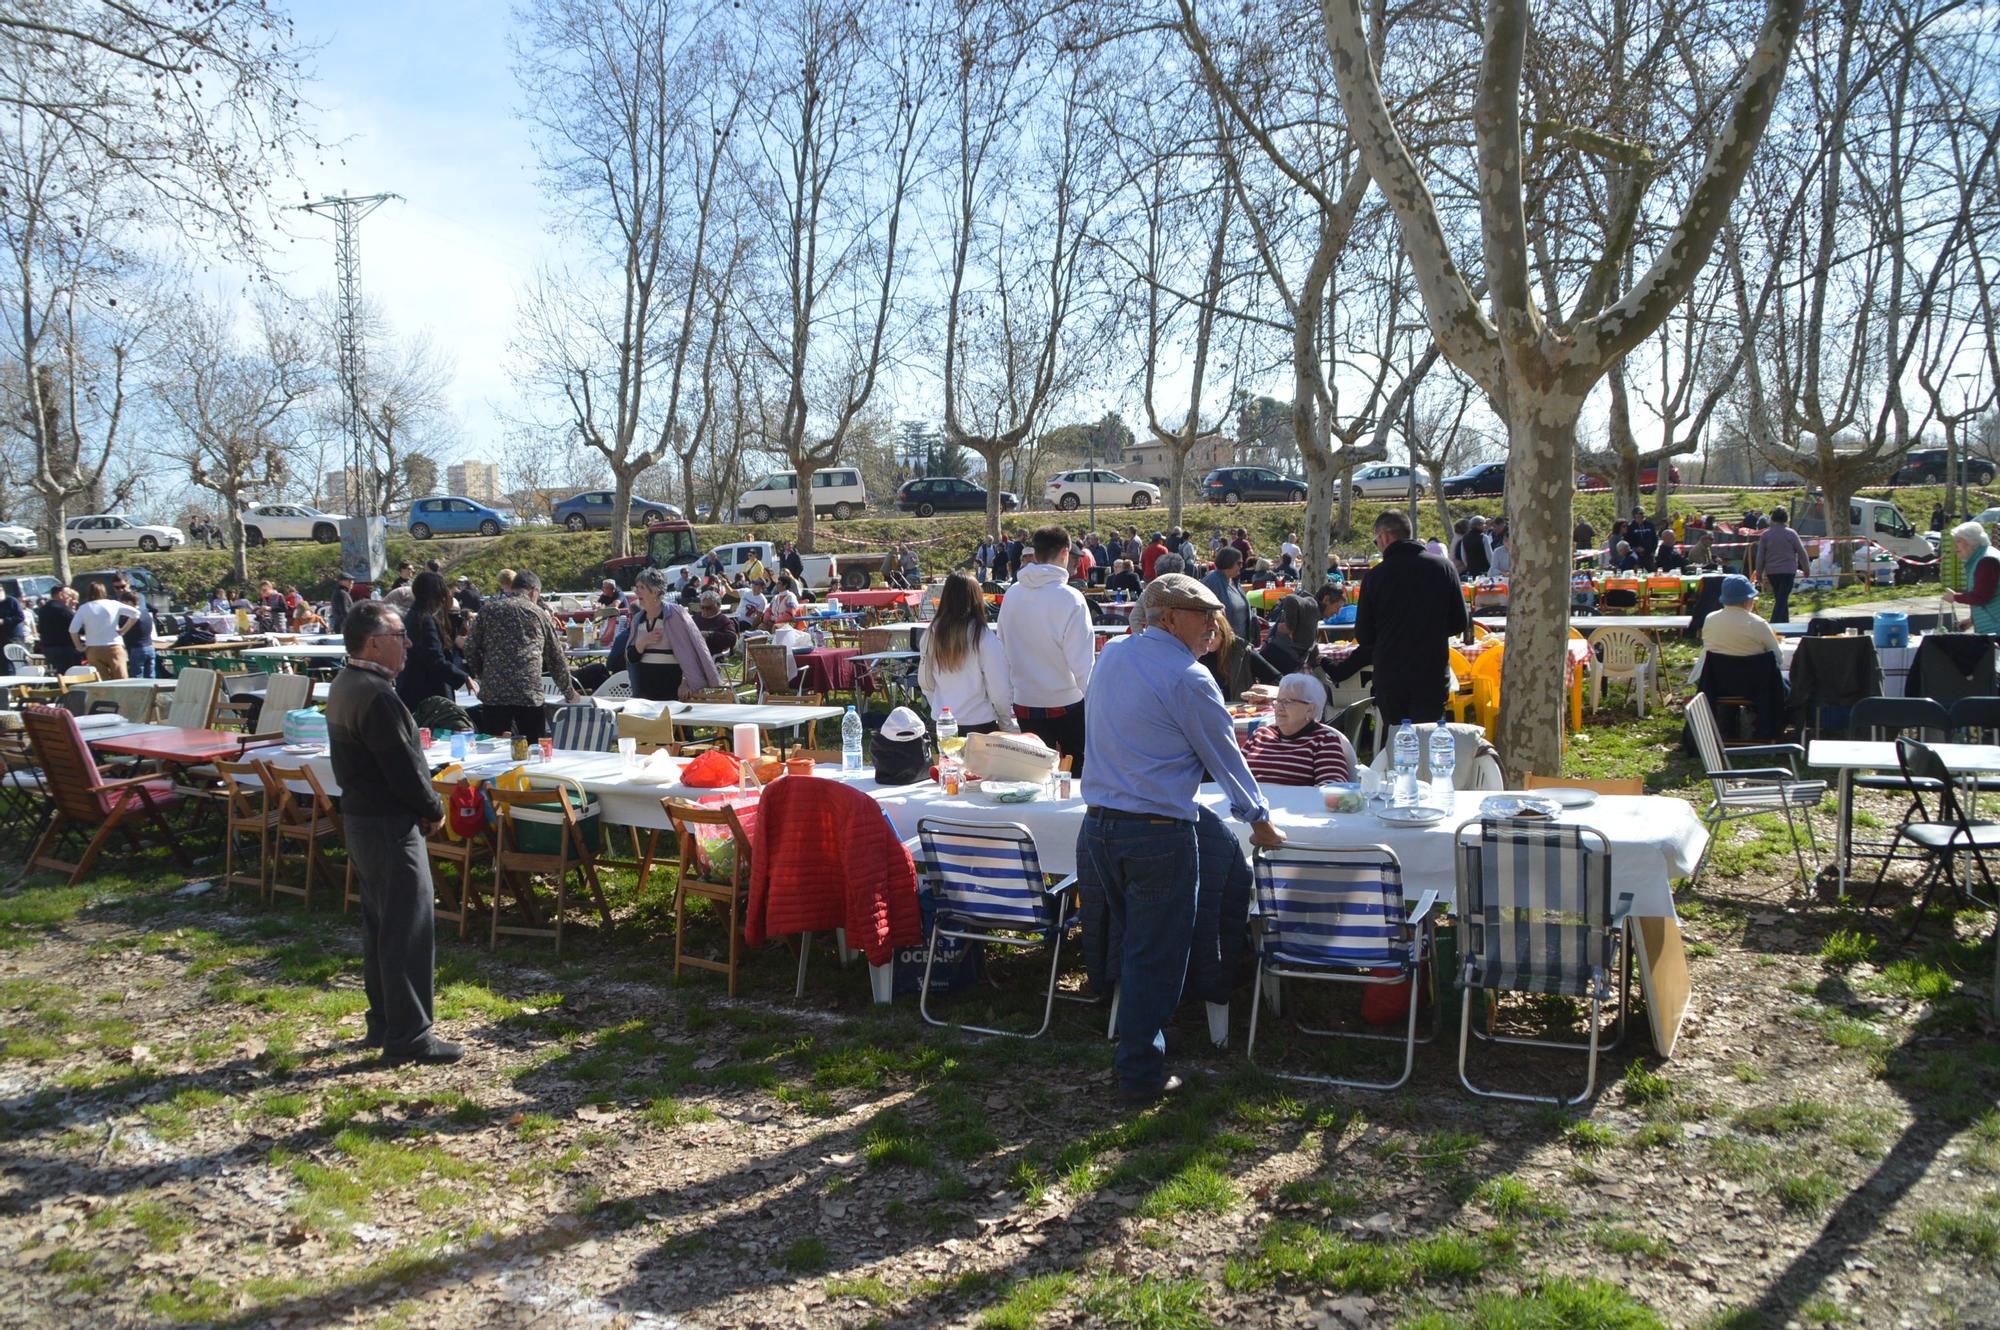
(824, 857)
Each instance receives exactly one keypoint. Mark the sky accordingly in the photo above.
(418, 100)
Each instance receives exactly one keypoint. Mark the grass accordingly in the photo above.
(1552, 1304)
(869, 1288)
(1620, 1240)
(893, 1142)
(1149, 1303)
(1507, 1197)
(1201, 1187)
(1294, 1255)
(1588, 1138)
(1647, 1088)
(1974, 1234)
(805, 1255)
(1845, 948)
(1791, 1117)
(1027, 1302)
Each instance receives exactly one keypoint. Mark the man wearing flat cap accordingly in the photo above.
(1147, 759)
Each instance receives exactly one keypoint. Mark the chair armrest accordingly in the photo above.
(1796, 752)
(124, 781)
(1059, 888)
(1621, 911)
(1425, 904)
(1756, 773)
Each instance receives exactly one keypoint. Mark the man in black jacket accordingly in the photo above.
(343, 603)
(1410, 609)
(388, 807)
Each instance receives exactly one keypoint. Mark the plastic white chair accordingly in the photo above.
(1621, 653)
(618, 685)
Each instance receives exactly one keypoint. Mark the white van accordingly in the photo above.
(836, 491)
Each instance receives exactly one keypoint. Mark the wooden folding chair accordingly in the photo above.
(80, 797)
(1604, 785)
(443, 849)
(800, 700)
(247, 811)
(701, 876)
(516, 867)
(305, 815)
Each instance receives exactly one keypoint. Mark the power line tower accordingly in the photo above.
(362, 551)
(347, 213)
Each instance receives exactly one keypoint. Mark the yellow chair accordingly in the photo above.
(1459, 700)
(1621, 594)
(1663, 595)
(1486, 689)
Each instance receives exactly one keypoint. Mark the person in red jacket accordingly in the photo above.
(1151, 557)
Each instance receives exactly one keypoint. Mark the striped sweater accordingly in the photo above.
(1313, 756)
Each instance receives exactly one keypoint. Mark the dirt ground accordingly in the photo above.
(192, 1134)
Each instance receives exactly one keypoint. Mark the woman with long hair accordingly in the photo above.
(1294, 633)
(435, 666)
(962, 665)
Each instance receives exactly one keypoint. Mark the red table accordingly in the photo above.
(875, 600)
(826, 669)
(180, 747)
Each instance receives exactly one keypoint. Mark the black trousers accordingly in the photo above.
(1781, 591)
(1404, 699)
(524, 721)
(1063, 733)
(397, 946)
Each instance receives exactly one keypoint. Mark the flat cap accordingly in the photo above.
(1176, 591)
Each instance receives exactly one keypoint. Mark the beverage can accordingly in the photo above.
(520, 748)
(548, 749)
(424, 737)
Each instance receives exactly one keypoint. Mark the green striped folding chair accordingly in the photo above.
(987, 885)
(1338, 915)
(1539, 917)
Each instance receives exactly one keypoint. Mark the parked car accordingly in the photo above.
(594, 509)
(1486, 478)
(1384, 480)
(941, 494)
(1925, 466)
(30, 588)
(151, 589)
(115, 531)
(1649, 478)
(1071, 490)
(1251, 484)
(455, 516)
(1878, 519)
(289, 521)
(672, 548)
(836, 491)
(17, 540)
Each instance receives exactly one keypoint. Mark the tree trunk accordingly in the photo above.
(805, 509)
(1444, 507)
(1318, 538)
(1173, 488)
(687, 486)
(239, 548)
(58, 514)
(991, 454)
(1541, 481)
(621, 510)
(1344, 526)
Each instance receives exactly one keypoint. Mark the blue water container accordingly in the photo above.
(1892, 629)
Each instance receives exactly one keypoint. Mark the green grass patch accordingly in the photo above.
(173, 1119)
(1623, 1240)
(1507, 1197)
(1199, 1187)
(1845, 948)
(666, 1113)
(1918, 980)
(1552, 1304)
(892, 1141)
(1027, 1302)
(1646, 1088)
(1810, 1192)
(1588, 1138)
(1149, 1303)
(1787, 1119)
(869, 1288)
(1336, 1199)
(1295, 1255)
(1974, 1234)
(805, 1255)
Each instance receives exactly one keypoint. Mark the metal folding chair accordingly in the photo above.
(988, 886)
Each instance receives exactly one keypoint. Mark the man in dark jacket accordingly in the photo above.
(388, 807)
(52, 619)
(1410, 609)
(343, 603)
(13, 625)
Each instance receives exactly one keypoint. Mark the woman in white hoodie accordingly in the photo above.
(963, 666)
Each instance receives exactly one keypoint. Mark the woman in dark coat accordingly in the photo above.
(435, 666)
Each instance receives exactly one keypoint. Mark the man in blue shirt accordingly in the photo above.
(1146, 759)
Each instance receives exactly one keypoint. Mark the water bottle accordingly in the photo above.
(458, 745)
(1405, 765)
(947, 730)
(1444, 760)
(850, 741)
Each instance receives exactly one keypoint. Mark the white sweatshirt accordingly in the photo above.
(1045, 627)
(978, 691)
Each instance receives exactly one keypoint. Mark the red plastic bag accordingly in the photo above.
(711, 771)
(1389, 1004)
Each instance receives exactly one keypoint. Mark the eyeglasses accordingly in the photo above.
(1294, 702)
(400, 635)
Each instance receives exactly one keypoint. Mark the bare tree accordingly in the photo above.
(839, 114)
(1022, 206)
(1536, 360)
(634, 110)
(231, 405)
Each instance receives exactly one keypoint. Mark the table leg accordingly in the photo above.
(1844, 830)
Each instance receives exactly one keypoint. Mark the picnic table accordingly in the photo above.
(875, 599)
(1847, 756)
(826, 669)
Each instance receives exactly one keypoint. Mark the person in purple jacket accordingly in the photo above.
(1781, 557)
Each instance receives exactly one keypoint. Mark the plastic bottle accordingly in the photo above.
(850, 741)
(947, 730)
(1405, 759)
(1444, 761)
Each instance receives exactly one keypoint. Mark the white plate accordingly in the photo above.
(1567, 797)
(1004, 791)
(1412, 816)
(299, 748)
(1521, 805)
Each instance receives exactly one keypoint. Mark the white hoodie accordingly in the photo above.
(1045, 628)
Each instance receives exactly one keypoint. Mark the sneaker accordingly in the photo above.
(429, 1050)
(1152, 1094)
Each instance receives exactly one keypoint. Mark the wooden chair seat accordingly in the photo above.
(699, 877)
(516, 868)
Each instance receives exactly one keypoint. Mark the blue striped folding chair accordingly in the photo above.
(585, 728)
(988, 886)
(1539, 917)
(1338, 915)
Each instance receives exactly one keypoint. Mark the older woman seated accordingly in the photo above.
(1299, 749)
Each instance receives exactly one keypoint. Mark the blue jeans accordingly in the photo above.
(1222, 911)
(1148, 872)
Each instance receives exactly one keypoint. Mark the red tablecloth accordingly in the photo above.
(859, 600)
(827, 669)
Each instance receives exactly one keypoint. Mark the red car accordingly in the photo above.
(1649, 477)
